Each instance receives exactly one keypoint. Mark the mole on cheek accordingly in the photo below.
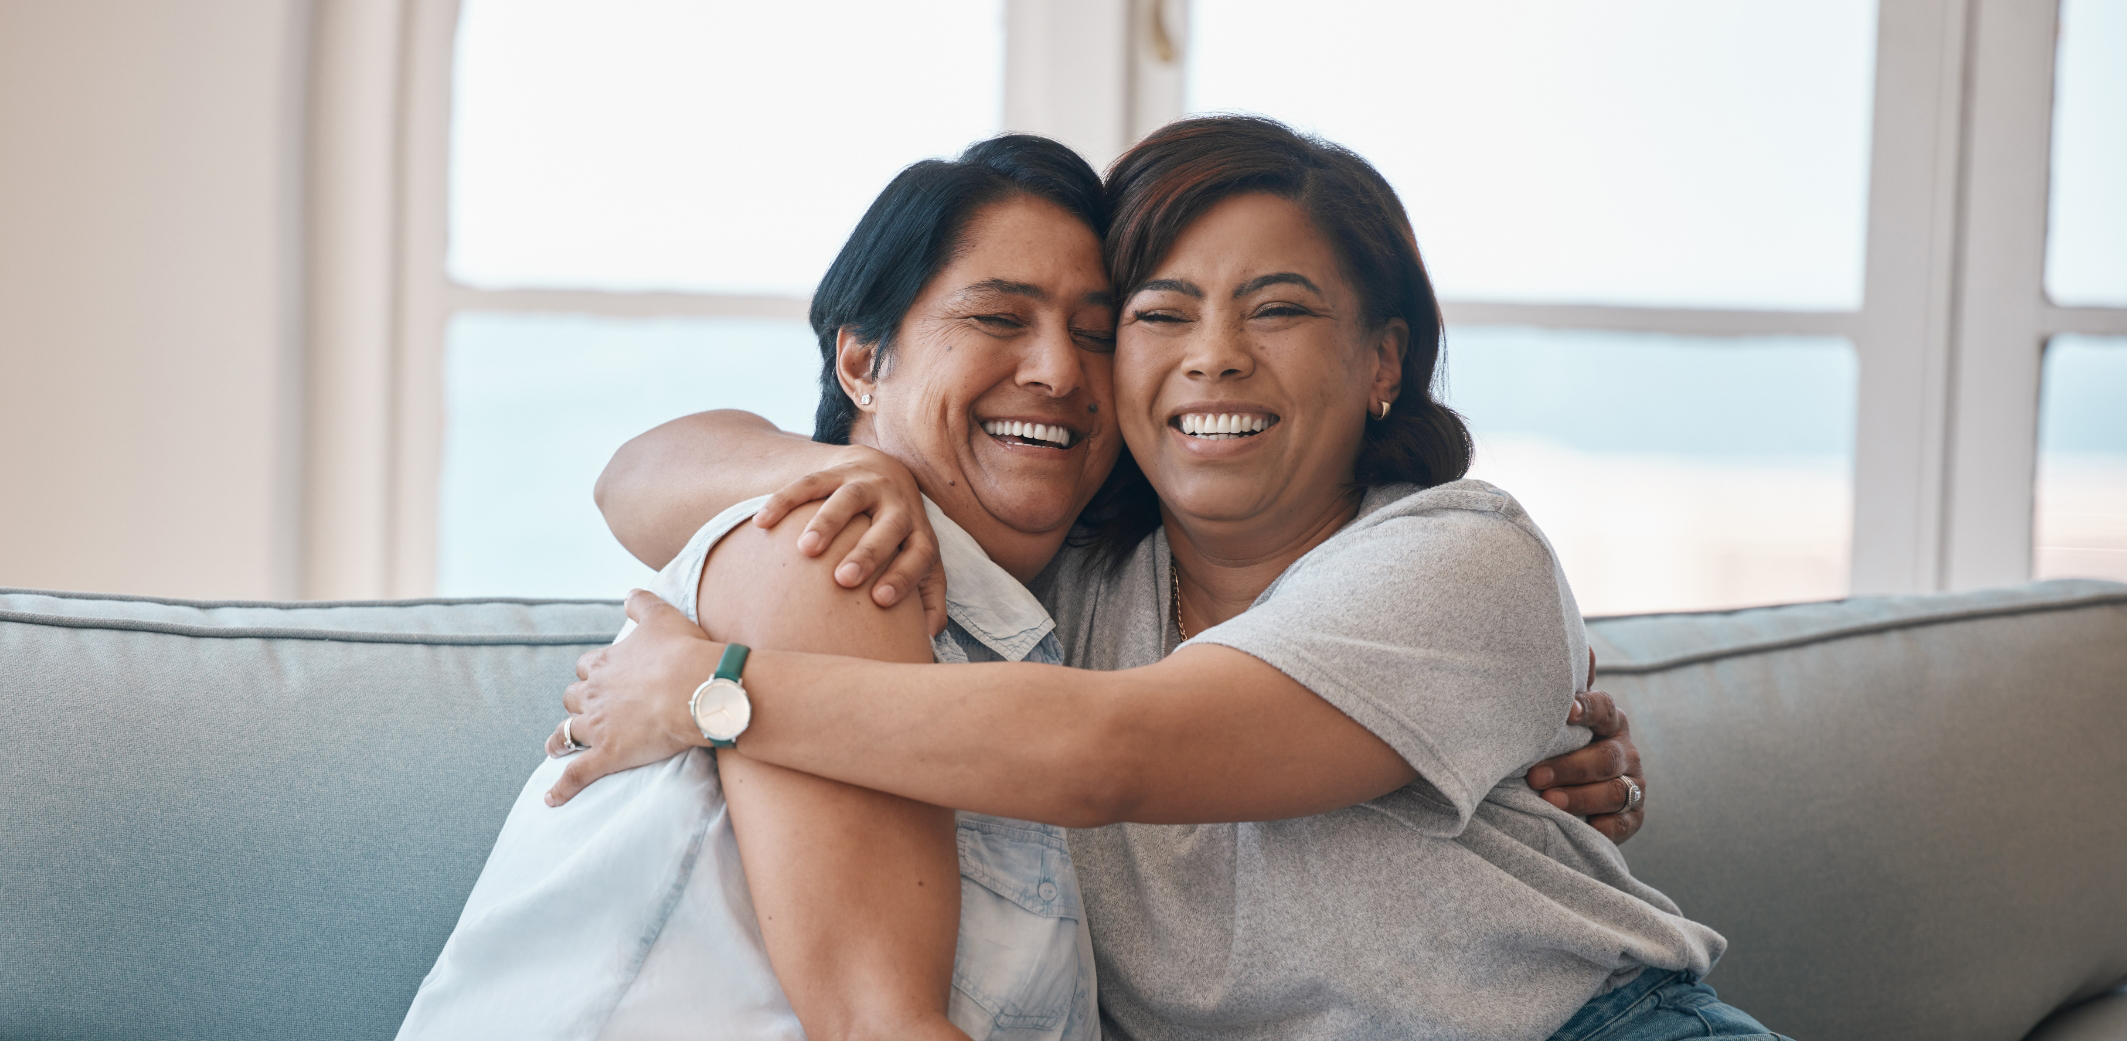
(1093, 406)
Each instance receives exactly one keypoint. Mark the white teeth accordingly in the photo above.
(1055, 435)
(1222, 425)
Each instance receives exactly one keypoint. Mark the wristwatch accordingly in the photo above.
(720, 706)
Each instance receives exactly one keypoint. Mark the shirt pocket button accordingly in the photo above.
(1048, 890)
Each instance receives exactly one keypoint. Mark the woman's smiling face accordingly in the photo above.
(998, 394)
(1245, 369)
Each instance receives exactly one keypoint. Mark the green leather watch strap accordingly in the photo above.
(732, 663)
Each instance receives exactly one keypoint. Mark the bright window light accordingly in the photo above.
(695, 146)
(1682, 153)
(1670, 473)
(2081, 523)
(538, 403)
(2086, 246)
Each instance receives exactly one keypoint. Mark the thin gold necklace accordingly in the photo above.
(1174, 586)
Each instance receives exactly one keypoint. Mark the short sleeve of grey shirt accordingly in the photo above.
(1459, 906)
(1439, 621)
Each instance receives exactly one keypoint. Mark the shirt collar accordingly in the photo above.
(985, 599)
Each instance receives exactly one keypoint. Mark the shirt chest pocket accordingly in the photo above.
(1022, 969)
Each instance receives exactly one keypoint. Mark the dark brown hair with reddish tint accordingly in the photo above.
(1161, 186)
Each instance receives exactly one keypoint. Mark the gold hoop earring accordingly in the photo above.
(1384, 411)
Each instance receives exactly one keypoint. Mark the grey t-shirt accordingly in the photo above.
(1460, 906)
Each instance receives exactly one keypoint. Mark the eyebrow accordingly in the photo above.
(1005, 285)
(1172, 285)
(1282, 278)
(1101, 298)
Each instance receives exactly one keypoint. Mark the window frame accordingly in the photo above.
(1949, 337)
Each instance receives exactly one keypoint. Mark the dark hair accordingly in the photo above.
(913, 229)
(1168, 180)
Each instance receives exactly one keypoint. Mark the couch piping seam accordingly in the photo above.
(284, 605)
(1849, 631)
(326, 635)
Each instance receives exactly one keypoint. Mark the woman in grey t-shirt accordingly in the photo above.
(1300, 782)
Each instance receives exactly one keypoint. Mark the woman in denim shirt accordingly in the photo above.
(627, 913)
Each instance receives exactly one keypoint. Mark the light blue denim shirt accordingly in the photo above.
(1025, 962)
(660, 930)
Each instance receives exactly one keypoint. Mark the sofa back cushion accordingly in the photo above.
(238, 821)
(1903, 812)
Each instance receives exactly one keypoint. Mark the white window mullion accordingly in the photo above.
(351, 259)
(1159, 48)
(1993, 427)
(1904, 339)
(423, 293)
(1665, 320)
(2096, 321)
(1096, 75)
(1067, 75)
(628, 305)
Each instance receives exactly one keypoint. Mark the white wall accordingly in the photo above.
(149, 266)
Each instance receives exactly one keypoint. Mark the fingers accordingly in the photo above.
(1599, 713)
(1598, 762)
(572, 697)
(577, 776)
(555, 744)
(835, 514)
(932, 587)
(1591, 667)
(1622, 826)
(587, 659)
(881, 541)
(1619, 827)
(640, 605)
(917, 559)
(811, 487)
(646, 609)
(1588, 800)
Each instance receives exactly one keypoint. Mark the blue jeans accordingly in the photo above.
(1661, 1005)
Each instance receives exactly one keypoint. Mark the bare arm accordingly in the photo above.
(664, 484)
(1182, 740)
(857, 891)
(1179, 741)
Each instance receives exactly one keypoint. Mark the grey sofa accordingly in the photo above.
(239, 821)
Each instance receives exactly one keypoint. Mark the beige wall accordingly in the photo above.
(149, 248)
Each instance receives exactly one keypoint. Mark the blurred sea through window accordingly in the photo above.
(1670, 473)
(2080, 529)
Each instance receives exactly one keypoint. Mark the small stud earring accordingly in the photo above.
(865, 400)
(1384, 410)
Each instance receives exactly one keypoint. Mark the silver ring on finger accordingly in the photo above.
(571, 746)
(1633, 795)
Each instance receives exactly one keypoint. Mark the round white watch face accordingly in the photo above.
(722, 710)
